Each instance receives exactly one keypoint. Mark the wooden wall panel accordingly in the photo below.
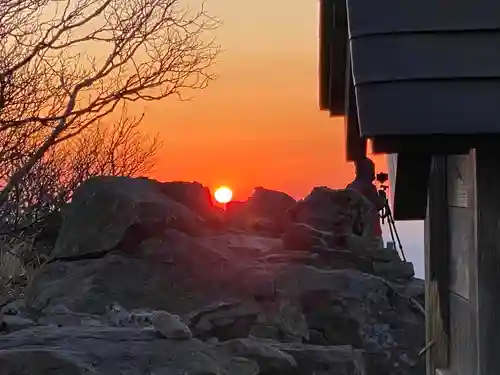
(355, 145)
(462, 265)
(326, 28)
(338, 60)
(436, 267)
(427, 107)
(390, 16)
(461, 222)
(405, 56)
(461, 246)
(462, 336)
(487, 174)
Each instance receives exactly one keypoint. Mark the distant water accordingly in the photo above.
(411, 234)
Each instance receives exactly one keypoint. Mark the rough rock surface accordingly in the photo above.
(140, 282)
(338, 211)
(110, 212)
(109, 350)
(266, 211)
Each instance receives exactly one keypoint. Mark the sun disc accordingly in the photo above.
(223, 194)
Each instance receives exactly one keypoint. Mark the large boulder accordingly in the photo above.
(337, 211)
(110, 212)
(333, 307)
(280, 358)
(265, 211)
(269, 204)
(138, 271)
(112, 351)
(172, 271)
(344, 251)
(271, 360)
(194, 196)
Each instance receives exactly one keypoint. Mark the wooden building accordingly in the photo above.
(421, 79)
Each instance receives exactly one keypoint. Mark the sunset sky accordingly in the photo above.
(259, 123)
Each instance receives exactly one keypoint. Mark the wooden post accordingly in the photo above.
(326, 29)
(355, 144)
(463, 264)
(487, 262)
(461, 206)
(436, 267)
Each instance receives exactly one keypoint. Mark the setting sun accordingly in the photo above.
(223, 194)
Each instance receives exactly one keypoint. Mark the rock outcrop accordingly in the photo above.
(339, 211)
(140, 281)
(266, 211)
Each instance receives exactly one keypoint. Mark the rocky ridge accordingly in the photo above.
(150, 278)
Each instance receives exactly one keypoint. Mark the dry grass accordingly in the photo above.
(14, 274)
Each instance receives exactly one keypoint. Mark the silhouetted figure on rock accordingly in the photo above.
(363, 184)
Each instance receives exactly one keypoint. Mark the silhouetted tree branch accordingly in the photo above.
(66, 64)
(120, 149)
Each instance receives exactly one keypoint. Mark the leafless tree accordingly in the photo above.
(117, 150)
(66, 64)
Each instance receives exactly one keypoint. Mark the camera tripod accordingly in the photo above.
(386, 213)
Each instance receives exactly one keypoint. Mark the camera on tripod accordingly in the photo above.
(382, 178)
(386, 212)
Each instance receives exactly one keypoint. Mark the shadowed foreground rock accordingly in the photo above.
(76, 351)
(143, 282)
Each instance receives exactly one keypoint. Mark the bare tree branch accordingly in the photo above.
(67, 64)
(118, 149)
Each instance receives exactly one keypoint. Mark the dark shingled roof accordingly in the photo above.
(416, 76)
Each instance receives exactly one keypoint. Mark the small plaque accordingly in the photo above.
(458, 181)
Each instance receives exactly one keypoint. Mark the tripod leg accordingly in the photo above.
(391, 231)
(392, 224)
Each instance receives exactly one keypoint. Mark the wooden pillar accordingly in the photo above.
(338, 57)
(436, 267)
(355, 144)
(461, 206)
(463, 264)
(487, 260)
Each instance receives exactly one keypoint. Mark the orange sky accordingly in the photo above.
(259, 123)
